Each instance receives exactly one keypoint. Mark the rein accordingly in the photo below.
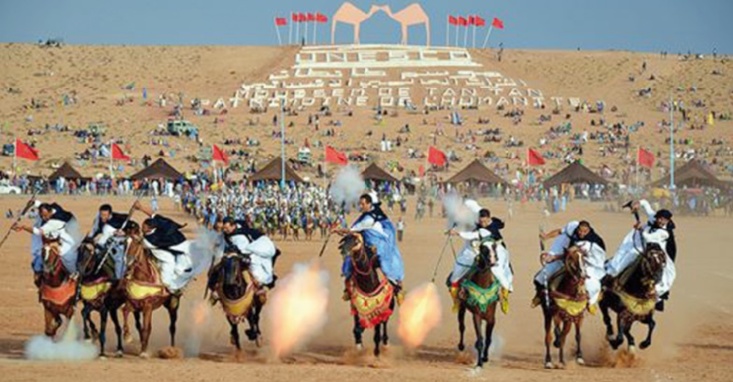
(370, 268)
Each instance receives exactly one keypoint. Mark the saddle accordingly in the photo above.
(372, 308)
(236, 309)
(59, 295)
(570, 306)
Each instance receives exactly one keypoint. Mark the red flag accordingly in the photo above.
(436, 157)
(471, 20)
(321, 18)
(25, 151)
(645, 158)
(302, 17)
(480, 21)
(452, 20)
(334, 156)
(462, 21)
(219, 155)
(497, 23)
(534, 158)
(281, 21)
(118, 154)
(294, 17)
(311, 17)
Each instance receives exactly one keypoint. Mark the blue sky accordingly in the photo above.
(641, 25)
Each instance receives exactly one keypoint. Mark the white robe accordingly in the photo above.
(632, 246)
(558, 247)
(69, 239)
(261, 253)
(175, 271)
(117, 252)
(593, 260)
(465, 259)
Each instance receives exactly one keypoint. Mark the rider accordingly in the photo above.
(581, 234)
(487, 229)
(658, 230)
(167, 244)
(256, 247)
(55, 223)
(105, 236)
(379, 235)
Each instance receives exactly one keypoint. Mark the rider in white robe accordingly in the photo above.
(104, 231)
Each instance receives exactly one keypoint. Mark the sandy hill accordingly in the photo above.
(98, 76)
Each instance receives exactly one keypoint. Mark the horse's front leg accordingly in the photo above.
(579, 353)
(147, 328)
(103, 314)
(377, 339)
(234, 334)
(385, 336)
(489, 331)
(461, 326)
(629, 337)
(603, 304)
(651, 324)
(172, 306)
(85, 319)
(548, 337)
(118, 332)
(566, 326)
(620, 329)
(358, 330)
(479, 339)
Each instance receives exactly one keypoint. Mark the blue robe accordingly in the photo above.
(390, 259)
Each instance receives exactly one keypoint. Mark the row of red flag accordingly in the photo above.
(474, 20)
(302, 18)
(26, 151)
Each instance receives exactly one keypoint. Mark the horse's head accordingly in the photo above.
(351, 244)
(53, 269)
(486, 253)
(87, 257)
(574, 265)
(653, 262)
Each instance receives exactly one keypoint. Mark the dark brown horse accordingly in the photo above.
(371, 294)
(632, 296)
(237, 292)
(145, 292)
(100, 293)
(56, 290)
(479, 294)
(564, 304)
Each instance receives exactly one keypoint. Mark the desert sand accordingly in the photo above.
(693, 341)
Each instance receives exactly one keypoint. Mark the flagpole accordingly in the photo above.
(671, 143)
(456, 44)
(282, 145)
(277, 30)
(474, 35)
(290, 29)
(305, 35)
(447, 29)
(486, 40)
(297, 31)
(465, 36)
(315, 27)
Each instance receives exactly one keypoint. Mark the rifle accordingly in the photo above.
(109, 248)
(20, 216)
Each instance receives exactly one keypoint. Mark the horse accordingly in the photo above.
(145, 292)
(632, 296)
(310, 226)
(237, 292)
(56, 289)
(371, 295)
(99, 293)
(564, 302)
(480, 291)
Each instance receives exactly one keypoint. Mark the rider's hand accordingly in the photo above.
(637, 225)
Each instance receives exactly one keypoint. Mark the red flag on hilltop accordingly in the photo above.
(321, 18)
(117, 153)
(534, 158)
(436, 157)
(311, 17)
(645, 158)
(281, 21)
(334, 156)
(452, 20)
(25, 151)
(462, 21)
(480, 21)
(497, 23)
(294, 17)
(218, 154)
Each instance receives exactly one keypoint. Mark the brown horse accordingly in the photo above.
(479, 294)
(145, 292)
(237, 292)
(56, 290)
(564, 302)
(632, 296)
(371, 294)
(99, 292)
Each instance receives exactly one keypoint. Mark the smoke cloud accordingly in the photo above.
(457, 212)
(347, 187)
(71, 347)
(419, 314)
(299, 307)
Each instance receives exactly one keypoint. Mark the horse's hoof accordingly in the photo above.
(632, 349)
(610, 337)
(359, 347)
(258, 341)
(645, 344)
(127, 338)
(461, 347)
(144, 355)
(119, 354)
(614, 344)
(580, 361)
(549, 365)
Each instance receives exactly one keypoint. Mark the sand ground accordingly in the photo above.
(693, 341)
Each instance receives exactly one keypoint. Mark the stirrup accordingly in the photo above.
(504, 300)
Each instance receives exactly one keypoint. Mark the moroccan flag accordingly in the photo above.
(281, 21)
(436, 157)
(480, 21)
(462, 21)
(25, 151)
(497, 23)
(321, 18)
(334, 156)
(118, 154)
(311, 17)
(534, 158)
(645, 158)
(452, 20)
(218, 154)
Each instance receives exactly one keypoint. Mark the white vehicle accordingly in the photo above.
(5, 188)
